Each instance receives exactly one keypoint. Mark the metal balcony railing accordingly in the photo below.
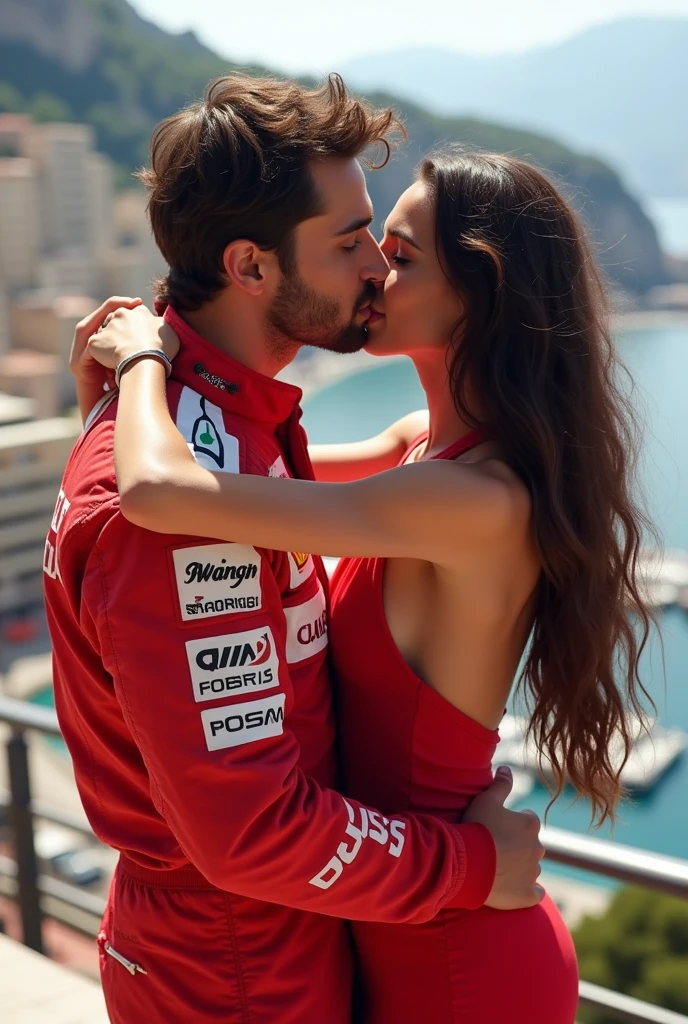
(32, 889)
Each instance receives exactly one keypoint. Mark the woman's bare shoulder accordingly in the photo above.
(506, 484)
(497, 498)
(494, 483)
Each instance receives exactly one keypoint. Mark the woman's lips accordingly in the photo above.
(371, 315)
(374, 317)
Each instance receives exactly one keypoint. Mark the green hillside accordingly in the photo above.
(618, 89)
(137, 76)
(126, 74)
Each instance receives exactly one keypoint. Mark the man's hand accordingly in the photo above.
(130, 330)
(519, 850)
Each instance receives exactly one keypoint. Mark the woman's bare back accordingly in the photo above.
(463, 631)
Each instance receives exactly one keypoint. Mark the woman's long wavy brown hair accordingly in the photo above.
(533, 347)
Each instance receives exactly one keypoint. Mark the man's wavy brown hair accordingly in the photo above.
(533, 347)
(236, 165)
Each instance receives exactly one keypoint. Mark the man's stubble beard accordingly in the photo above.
(299, 316)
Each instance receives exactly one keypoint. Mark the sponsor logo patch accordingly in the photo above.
(217, 579)
(300, 568)
(201, 424)
(237, 724)
(278, 469)
(50, 564)
(306, 628)
(222, 666)
(389, 834)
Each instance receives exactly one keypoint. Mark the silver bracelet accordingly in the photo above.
(154, 353)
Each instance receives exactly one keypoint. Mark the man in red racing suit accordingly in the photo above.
(191, 682)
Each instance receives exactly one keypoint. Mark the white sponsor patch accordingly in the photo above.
(217, 579)
(201, 424)
(389, 834)
(300, 568)
(306, 628)
(236, 724)
(224, 666)
(278, 469)
(50, 564)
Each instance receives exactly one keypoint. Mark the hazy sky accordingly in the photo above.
(314, 35)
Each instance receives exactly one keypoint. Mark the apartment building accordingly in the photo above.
(20, 237)
(33, 455)
(36, 377)
(132, 267)
(15, 133)
(42, 324)
(61, 154)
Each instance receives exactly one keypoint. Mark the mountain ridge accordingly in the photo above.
(124, 74)
(629, 106)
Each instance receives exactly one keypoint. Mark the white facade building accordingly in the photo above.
(32, 460)
(135, 264)
(20, 240)
(62, 152)
(101, 200)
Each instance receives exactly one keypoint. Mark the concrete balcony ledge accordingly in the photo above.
(35, 990)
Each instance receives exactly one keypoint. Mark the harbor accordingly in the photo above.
(664, 578)
(654, 749)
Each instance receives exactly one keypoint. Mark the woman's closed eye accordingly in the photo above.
(399, 260)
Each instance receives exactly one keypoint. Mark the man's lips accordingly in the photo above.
(371, 315)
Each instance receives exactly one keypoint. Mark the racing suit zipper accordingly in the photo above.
(127, 964)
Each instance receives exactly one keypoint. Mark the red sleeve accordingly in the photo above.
(193, 634)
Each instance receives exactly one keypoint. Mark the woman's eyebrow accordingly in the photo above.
(403, 235)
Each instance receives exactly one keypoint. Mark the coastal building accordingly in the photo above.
(125, 273)
(32, 459)
(61, 152)
(76, 192)
(74, 203)
(15, 134)
(63, 229)
(100, 199)
(43, 324)
(14, 409)
(32, 377)
(69, 272)
(20, 239)
(137, 261)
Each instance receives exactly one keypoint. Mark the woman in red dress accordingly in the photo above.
(508, 534)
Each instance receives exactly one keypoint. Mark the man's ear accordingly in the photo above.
(248, 267)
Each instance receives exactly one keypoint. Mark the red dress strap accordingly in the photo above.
(464, 444)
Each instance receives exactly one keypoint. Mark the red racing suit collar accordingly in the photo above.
(212, 373)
